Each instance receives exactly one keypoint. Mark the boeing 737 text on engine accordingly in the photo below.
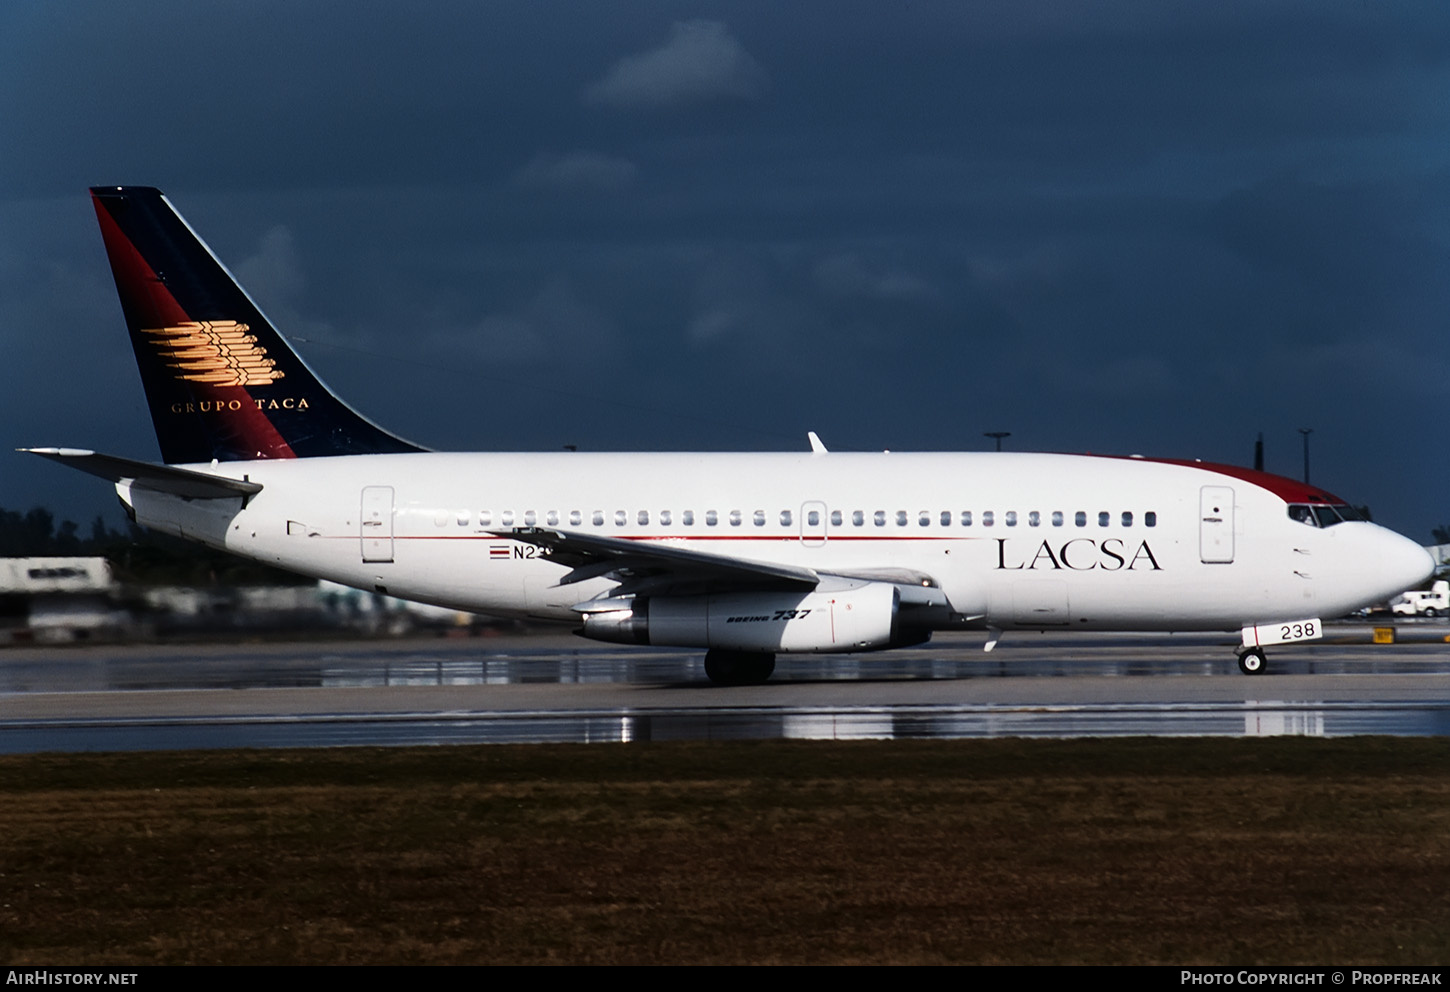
(744, 555)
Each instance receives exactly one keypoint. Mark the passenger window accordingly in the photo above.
(923, 519)
(857, 518)
(813, 518)
(484, 518)
(1079, 518)
(1010, 518)
(1150, 519)
(1033, 518)
(785, 518)
(506, 518)
(688, 518)
(946, 518)
(665, 518)
(620, 518)
(643, 518)
(966, 518)
(1103, 518)
(1057, 518)
(901, 518)
(711, 518)
(598, 518)
(1127, 518)
(879, 518)
(463, 518)
(575, 518)
(835, 518)
(734, 518)
(987, 518)
(552, 519)
(758, 518)
(530, 518)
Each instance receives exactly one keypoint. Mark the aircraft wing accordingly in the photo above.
(655, 567)
(159, 478)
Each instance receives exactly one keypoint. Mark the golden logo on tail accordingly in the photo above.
(219, 352)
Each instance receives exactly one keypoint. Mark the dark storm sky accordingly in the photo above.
(1123, 227)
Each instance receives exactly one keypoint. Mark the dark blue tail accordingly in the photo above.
(221, 382)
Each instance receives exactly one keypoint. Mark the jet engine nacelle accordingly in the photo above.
(859, 617)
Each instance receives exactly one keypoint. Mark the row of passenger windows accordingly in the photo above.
(810, 518)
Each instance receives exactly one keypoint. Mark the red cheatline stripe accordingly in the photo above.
(1289, 490)
(671, 537)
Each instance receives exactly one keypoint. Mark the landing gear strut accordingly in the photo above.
(1252, 661)
(738, 667)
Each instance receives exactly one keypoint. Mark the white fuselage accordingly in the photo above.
(1013, 540)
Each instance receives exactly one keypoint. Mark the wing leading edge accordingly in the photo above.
(654, 568)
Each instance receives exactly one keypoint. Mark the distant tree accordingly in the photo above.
(1441, 534)
(26, 534)
(136, 554)
(66, 542)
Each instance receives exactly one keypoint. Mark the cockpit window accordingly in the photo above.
(1322, 514)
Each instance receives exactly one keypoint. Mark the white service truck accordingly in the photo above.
(1431, 602)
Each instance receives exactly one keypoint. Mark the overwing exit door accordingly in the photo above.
(813, 523)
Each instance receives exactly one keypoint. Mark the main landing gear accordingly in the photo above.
(1252, 661)
(738, 667)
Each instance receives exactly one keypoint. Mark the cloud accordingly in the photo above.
(700, 62)
(581, 171)
(708, 326)
(1124, 378)
(745, 305)
(274, 270)
(847, 276)
(273, 277)
(553, 325)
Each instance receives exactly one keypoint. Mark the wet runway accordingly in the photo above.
(556, 687)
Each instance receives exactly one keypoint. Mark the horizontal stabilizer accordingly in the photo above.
(160, 478)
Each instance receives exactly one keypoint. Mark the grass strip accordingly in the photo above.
(1183, 851)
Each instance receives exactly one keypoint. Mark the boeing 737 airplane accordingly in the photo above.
(744, 555)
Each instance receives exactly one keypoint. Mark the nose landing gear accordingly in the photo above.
(1252, 661)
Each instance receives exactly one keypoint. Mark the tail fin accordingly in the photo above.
(221, 382)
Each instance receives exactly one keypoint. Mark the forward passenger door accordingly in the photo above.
(1216, 525)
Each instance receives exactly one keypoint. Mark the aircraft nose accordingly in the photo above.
(1404, 563)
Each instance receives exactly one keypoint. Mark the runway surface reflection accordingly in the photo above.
(554, 687)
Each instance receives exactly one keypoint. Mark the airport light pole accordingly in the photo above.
(998, 435)
(1306, 431)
